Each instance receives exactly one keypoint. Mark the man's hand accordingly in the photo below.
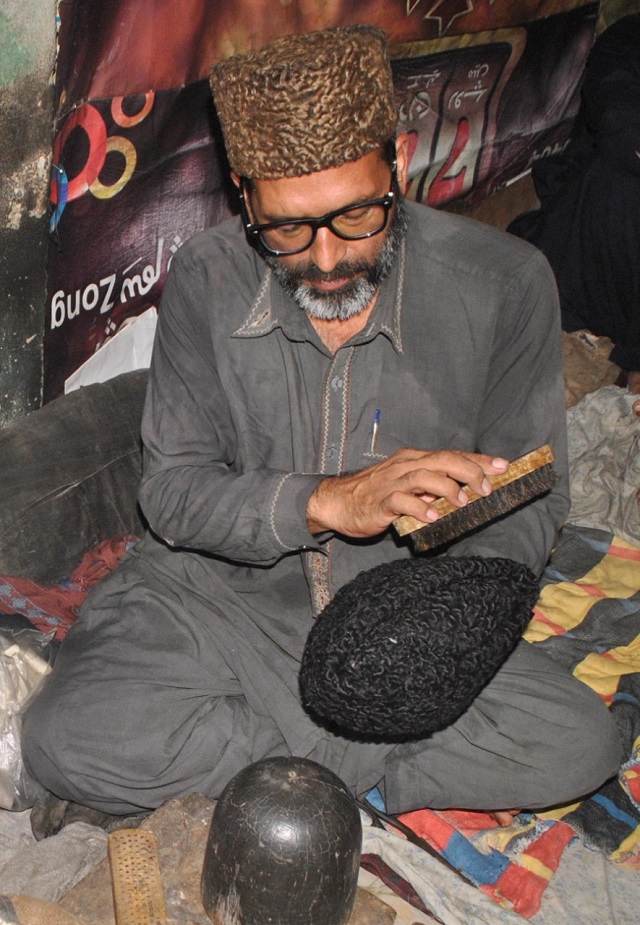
(367, 502)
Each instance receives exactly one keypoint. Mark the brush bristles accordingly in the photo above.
(483, 510)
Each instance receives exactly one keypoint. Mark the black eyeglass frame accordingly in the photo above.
(254, 231)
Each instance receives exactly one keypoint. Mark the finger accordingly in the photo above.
(401, 503)
(420, 504)
(474, 470)
(465, 468)
(489, 465)
(438, 484)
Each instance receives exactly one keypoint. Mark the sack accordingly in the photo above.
(25, 661)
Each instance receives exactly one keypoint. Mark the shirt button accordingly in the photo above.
(336, 383)
(332, 452)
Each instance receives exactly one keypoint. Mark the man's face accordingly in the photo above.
(334, 278)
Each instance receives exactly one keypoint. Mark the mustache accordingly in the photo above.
(310, 273)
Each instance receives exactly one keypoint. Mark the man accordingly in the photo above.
(332, 361)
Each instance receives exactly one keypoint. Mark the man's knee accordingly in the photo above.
(42, 748)
(535, 737)
(579, 745)
(592, 751)
(134, 753)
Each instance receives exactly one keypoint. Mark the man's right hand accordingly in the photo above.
(365, 503)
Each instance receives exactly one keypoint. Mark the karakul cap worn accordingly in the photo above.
(406, 647)
(306, 102)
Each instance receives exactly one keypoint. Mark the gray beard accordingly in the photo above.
(353, 298)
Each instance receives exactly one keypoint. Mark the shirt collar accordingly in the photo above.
(273, 308)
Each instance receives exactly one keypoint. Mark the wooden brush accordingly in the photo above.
(526, 478)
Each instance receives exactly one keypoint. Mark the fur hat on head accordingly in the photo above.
(405, 648)
(306, 102)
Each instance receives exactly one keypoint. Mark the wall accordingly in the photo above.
(27, 54)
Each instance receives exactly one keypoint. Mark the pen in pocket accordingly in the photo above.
(374, 430)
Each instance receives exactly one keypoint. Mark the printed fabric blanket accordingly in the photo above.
(588, 617)
(53, 610)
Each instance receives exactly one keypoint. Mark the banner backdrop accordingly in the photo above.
(484, 88)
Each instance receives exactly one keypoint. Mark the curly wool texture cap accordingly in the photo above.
(306, 102)
(405, 648)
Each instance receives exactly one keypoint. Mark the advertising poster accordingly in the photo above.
(483, 87)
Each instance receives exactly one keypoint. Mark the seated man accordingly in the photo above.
(282, 337)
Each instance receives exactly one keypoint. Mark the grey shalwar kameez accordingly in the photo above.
(183, 665)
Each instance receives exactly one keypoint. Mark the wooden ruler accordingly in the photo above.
(135, 876)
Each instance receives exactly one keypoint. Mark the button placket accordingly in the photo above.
(335, 413)
(335, 422)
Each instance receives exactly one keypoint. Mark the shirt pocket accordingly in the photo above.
(383, 446)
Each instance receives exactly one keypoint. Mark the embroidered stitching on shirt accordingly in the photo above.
(258, 318)
(396, 336)
(346, 388)
(272, 511)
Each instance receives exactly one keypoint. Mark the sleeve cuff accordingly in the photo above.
(288, 513)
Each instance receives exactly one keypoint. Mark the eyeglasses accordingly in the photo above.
(292, 236)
